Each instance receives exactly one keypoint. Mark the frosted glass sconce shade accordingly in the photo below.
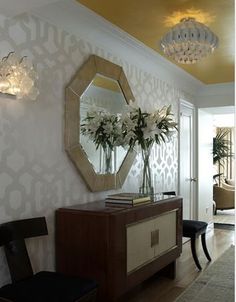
(18, 77)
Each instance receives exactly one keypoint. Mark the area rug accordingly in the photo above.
(224, 226)
(226, 216)
(215, 284)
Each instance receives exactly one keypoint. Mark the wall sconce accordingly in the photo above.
(18, 77)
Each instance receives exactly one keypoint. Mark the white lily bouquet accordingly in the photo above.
(104, 129)
(134, 128)
(143, 129)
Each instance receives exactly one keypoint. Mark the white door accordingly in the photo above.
(187, 169)
(205, 165)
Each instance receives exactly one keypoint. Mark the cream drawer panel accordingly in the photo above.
(147, 240)
(166, 224)
(139, 250)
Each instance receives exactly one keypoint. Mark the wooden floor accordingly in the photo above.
(160, 289)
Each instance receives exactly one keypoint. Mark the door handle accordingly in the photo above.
(191, 179)
(154, 237)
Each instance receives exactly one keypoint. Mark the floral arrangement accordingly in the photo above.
(133, 128)
(103, 128)
(143, 129)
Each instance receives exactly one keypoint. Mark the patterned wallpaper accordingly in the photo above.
(36, 176)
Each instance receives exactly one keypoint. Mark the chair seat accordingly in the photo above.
(193, 227)
(48, 287)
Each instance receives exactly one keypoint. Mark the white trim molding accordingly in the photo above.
(80, 21)
(216, 95)
(85, 24)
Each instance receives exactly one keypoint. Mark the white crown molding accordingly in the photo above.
(216, 95)
(221, 110)
(82, 22)
(141, 48)
(219, 89)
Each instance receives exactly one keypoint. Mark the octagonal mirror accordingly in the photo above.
(98, 85)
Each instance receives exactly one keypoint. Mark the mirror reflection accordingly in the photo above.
(103, 94)
(86, 90)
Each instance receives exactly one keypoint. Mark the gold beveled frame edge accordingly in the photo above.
(79, 83)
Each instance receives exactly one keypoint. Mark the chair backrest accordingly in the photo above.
(173, 193)
(224, 199)
(228, 187)
(12, 235)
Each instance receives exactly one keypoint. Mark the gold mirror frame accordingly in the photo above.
(74, 91)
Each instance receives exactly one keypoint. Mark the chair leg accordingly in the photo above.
(203, 238)
(193, 248)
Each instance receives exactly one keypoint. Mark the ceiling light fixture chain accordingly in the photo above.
(189, 41)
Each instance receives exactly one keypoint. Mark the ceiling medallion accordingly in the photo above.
(189, 41)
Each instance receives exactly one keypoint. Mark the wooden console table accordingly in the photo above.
(118, 246)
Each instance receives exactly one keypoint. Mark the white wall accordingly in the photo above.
(36, 176)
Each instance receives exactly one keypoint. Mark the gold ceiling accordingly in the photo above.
(149, 20)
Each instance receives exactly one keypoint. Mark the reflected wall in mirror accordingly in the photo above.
(100, 85)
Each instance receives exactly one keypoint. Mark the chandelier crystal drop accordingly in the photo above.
(189, 41)
(18, 77)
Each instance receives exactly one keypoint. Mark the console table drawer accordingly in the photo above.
(148, 239)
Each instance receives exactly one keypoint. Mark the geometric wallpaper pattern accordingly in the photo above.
(36, 175)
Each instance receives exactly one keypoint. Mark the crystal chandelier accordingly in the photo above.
(18, 77)
(189, 41)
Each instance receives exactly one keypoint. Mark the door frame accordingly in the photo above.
(183, 104)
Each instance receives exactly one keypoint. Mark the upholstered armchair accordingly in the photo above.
(223, 197)
(228, 185)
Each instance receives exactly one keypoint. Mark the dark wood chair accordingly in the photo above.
(193, 229)
(43, 286)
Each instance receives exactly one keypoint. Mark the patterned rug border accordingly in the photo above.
(214, 284)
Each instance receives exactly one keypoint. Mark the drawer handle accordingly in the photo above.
(154, 237)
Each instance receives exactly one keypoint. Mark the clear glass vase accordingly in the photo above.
(146, 186)
(107, 164)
